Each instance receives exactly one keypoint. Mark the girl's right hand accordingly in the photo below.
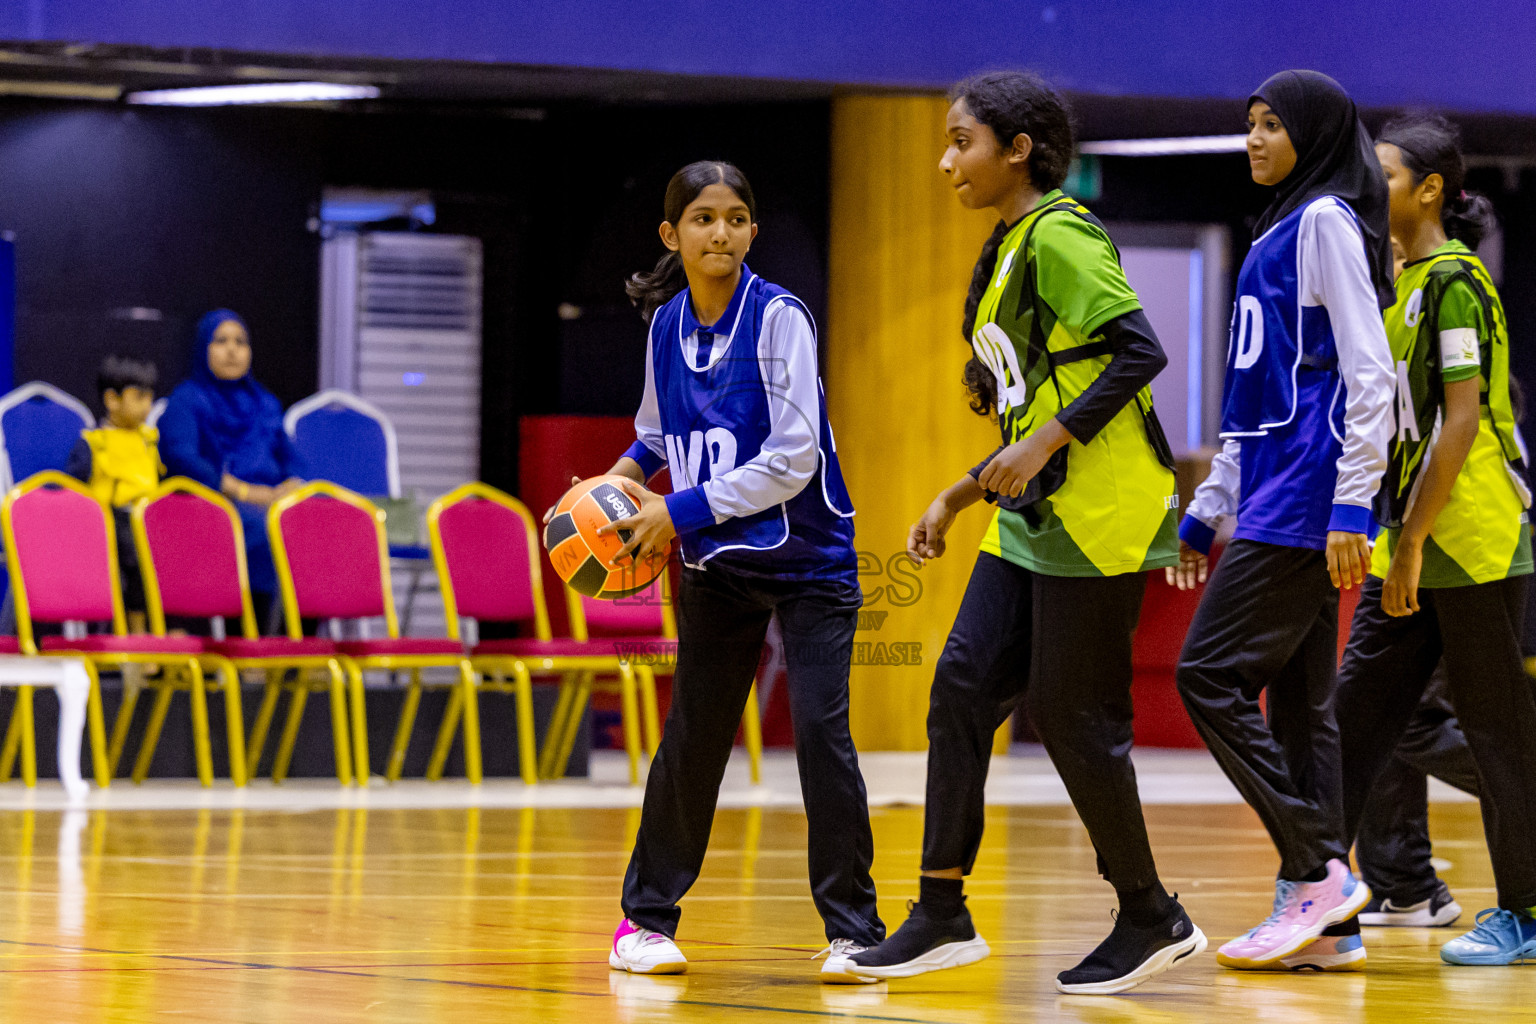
(550, 514)
(1400, 590)
(1191, 570)
(926, 538)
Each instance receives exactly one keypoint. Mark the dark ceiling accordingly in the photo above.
(463, 87)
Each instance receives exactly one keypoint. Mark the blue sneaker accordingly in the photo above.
(1501, 938)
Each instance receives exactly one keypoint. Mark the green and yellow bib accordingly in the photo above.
(1098, 509)
(1448, 325)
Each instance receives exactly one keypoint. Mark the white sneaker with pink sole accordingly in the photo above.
(642, 951)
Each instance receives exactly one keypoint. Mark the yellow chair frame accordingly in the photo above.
(196, 684)
(355, 666)
(577, 673)
(275, 669)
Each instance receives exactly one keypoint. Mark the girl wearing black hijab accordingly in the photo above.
(1305, 425)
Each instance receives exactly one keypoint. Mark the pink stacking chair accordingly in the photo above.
(62, 548)
(486, 550)
(332, 561)
(192, 556)
(643, 624)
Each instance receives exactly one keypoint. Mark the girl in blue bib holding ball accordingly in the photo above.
(733, 408)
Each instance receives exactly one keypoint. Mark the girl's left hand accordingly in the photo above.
(1349, 559)
(1015, 466)
(550, 512)
(651, 529)
(1400, 590)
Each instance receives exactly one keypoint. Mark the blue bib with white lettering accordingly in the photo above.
(1283, 399)
(1282, 353)
(712, 398)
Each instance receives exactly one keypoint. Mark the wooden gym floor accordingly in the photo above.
(223, 913)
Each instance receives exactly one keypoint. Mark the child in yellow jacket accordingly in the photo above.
(120, 460)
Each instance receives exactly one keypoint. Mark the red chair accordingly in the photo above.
(486, 550)
(63, 558)
(643, 625)
(192, 556)
(332, 561)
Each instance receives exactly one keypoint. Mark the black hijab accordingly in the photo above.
(1334, 157)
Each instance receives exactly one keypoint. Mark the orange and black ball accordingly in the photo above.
(581, 556)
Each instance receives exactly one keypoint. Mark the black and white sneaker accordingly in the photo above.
(922, 944)
(1132, 954)
(1439, 911)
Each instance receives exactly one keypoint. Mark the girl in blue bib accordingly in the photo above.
(733, 408)
(1306, 415)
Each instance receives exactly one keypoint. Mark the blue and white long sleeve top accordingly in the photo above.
(736, 412)
(1307, 404)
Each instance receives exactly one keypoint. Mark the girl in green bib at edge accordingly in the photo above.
(1450, 572)
(1062, 356)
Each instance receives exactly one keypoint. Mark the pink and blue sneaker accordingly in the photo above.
(1302, 911)
(1328, 953)
(1501, 938)
(641, 951)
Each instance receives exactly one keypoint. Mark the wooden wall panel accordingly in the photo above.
(902, 249)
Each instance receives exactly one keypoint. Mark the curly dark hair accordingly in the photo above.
(1011, 103)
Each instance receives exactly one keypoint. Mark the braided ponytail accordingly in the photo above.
(978, 380)
(1011, 103)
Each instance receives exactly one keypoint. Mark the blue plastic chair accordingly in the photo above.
(39, 425)
(346, 440)
(349, 441)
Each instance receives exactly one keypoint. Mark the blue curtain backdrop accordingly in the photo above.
(1189, 48)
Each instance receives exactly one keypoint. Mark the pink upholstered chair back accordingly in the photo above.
(63, 553)
(192, 545)
(487, 550)
(331, 558)
(644, 614)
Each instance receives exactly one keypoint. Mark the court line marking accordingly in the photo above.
(483, 985)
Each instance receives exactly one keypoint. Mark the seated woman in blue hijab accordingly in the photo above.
(225, 431)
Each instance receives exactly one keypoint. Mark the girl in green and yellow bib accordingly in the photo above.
(1450, 573)
(1062, 356)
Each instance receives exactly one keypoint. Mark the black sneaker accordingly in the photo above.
(1133, 954)
(920, 945)
(1439, 911)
